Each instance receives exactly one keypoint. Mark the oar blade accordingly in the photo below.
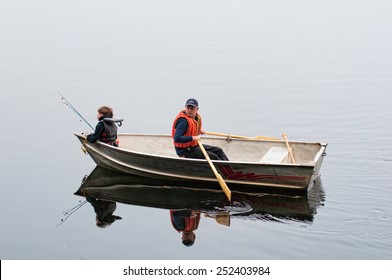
(224, 186)
(222, 182)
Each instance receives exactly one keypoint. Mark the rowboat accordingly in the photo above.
(113, 186)
(254, 164)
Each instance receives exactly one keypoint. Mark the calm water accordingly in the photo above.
(316, 70)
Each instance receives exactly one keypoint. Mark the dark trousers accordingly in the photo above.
(215, 153)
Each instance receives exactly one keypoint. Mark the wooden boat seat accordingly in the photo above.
(275, 154)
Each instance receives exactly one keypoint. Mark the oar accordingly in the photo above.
(288, 147)
(241, 137)
(265, 138)
(222, 182)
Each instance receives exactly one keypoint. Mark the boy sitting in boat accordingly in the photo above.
(106, 129)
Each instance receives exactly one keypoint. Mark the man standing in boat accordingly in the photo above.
(186, 130)
(106, 129)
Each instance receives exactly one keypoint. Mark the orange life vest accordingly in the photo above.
(189, 223)
(194, 127)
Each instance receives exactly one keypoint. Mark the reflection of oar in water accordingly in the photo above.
(228, 135)
(222, 182)
(221, 218)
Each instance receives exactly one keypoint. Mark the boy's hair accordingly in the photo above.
(106, 111)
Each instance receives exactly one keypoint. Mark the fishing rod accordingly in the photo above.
(66, 102)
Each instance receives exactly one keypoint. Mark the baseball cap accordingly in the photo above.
(192, 102)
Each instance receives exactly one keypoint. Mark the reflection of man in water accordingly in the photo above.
(185, 221)
(104, 210)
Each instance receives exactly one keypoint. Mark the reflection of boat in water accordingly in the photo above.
(110, 185)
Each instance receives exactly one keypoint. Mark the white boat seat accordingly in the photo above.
(275, 154)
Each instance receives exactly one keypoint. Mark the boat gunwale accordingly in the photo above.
(176, 158)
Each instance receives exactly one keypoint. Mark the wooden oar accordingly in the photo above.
(288, 147)
(222, 182)
(265, 138)
(241, 137)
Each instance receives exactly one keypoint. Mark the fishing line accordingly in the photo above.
(66, 102)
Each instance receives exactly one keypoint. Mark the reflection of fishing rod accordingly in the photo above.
(65, 101)
(71, 211)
